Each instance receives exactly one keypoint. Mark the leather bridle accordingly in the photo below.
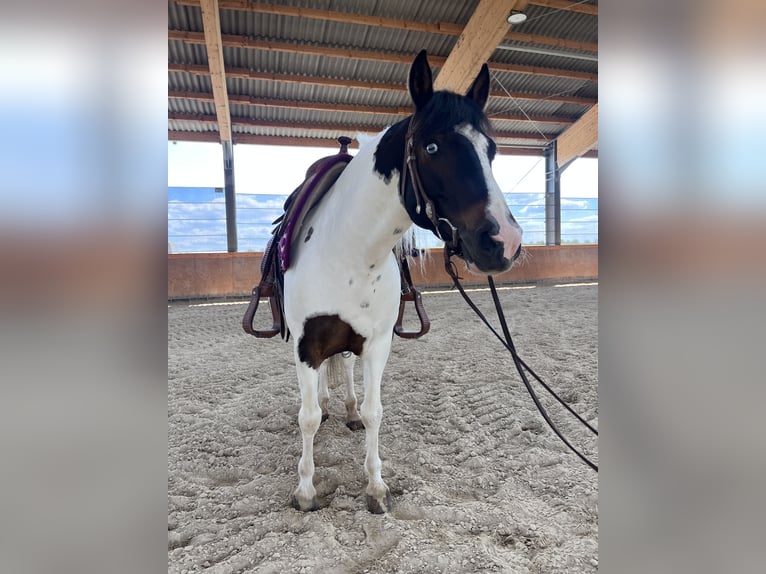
(423, 203)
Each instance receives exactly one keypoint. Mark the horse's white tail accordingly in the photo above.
(335, 371)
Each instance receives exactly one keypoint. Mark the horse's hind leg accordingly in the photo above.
(374, 361)
(339, 368)
(324, 393)
(353, 420)
(309, 418)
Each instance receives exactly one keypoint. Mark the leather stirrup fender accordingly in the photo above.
(262, 290)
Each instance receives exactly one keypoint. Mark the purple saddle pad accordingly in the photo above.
(316, 185)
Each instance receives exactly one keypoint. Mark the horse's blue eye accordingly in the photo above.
(432, 148)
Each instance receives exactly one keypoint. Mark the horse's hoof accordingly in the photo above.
(325, 416)
(312, 506)
(355, 425)
(380, 506)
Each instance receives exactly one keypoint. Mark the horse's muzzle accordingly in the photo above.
(485, 254)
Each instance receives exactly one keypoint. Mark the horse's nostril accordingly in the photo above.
(487, 243)
(516, 255)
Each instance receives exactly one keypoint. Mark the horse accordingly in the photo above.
(342, 288)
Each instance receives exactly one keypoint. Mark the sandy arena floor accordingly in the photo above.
(479, 483)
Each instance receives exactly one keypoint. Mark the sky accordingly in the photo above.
(279, 169)
(196, 218)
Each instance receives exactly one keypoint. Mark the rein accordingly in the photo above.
(450, 249)
(521, 366)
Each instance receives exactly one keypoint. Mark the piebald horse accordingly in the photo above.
(342, 289)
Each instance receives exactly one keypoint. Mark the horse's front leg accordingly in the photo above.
(374, 361)
(309, 417)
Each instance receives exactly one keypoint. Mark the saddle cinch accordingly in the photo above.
(320, 177)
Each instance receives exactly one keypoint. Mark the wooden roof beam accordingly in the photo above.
(551, 41)
(212, 24)
(349, 108)
(351, 128)
(177, 135)
(386, 57)
(482, 34)
(484, 31)
(580, 137)
(246, 74)
(446, 28)
(332, 16)
(239, 121)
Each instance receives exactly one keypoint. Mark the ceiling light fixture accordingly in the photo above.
(516, 17)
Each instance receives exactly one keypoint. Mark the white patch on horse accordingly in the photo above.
(509, 233)
(354, 225)
(342, 289)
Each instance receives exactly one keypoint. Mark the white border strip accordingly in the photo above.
(219, 304)
(576, 284)
(439, 292)
(478, 289)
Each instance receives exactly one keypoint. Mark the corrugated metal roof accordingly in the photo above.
(313, 93)
(192, 126)
(539, 85)
(296, 132)
(523, 143)
(559, 24)
(327, 33)
(183, 53)
(526, 127)
(297, 121)
(184, 17)
(183, 82)
(185, 106)
(529, 107)
(544, 60)
(302, 116)
(588, 90)
(422, 11)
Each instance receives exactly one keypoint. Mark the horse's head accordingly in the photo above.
(450, 155)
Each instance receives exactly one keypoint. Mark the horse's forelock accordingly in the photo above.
(446, 111)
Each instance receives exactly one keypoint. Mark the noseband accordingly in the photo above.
(421, 198)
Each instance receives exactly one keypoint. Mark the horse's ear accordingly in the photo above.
(479, 90)
(421, 82)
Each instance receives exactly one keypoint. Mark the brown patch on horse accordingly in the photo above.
(325, 336)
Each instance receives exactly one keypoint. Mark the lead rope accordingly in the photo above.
(449, 266)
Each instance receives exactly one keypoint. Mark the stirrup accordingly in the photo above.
(414, 296)
(262, 290)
